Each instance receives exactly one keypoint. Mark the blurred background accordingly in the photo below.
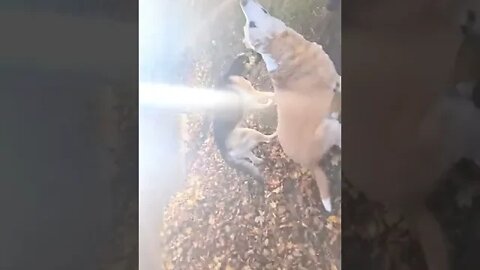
(68, 149)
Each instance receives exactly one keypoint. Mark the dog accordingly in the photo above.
(235, 142)
(305, 82)
(405, 135)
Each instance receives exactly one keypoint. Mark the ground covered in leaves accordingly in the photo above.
(215, 224)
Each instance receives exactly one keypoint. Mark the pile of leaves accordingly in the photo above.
(215, 223)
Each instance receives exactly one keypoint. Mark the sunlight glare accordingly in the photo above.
(183, 98)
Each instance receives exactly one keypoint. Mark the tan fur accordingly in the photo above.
(388, 103)
(304, 84)
(246, 87)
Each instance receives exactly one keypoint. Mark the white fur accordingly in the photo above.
(332, 132)
(327, 204)
(266, 26)
(270, 62)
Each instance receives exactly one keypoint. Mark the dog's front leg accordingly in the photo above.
(264, 95)
(249, 92)
(260, 106)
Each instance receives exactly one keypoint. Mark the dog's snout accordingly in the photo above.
(252, 24)
(244, 2)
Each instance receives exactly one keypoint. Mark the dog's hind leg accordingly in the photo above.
(252, 137)
(255, 160)
(263, 94)
(323, 187)
(330, 134)
(247, 167)
(260, 106)
(243, 140)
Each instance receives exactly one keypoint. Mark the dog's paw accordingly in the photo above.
(269, 102)
(327, 204)
(241, 83)
(236, 79)
(272, 136)
(257, 160)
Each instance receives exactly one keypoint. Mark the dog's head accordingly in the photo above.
(240, 66)
(243, 62)
(260, 27)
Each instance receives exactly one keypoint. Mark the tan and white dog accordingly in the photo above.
(305, 82)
